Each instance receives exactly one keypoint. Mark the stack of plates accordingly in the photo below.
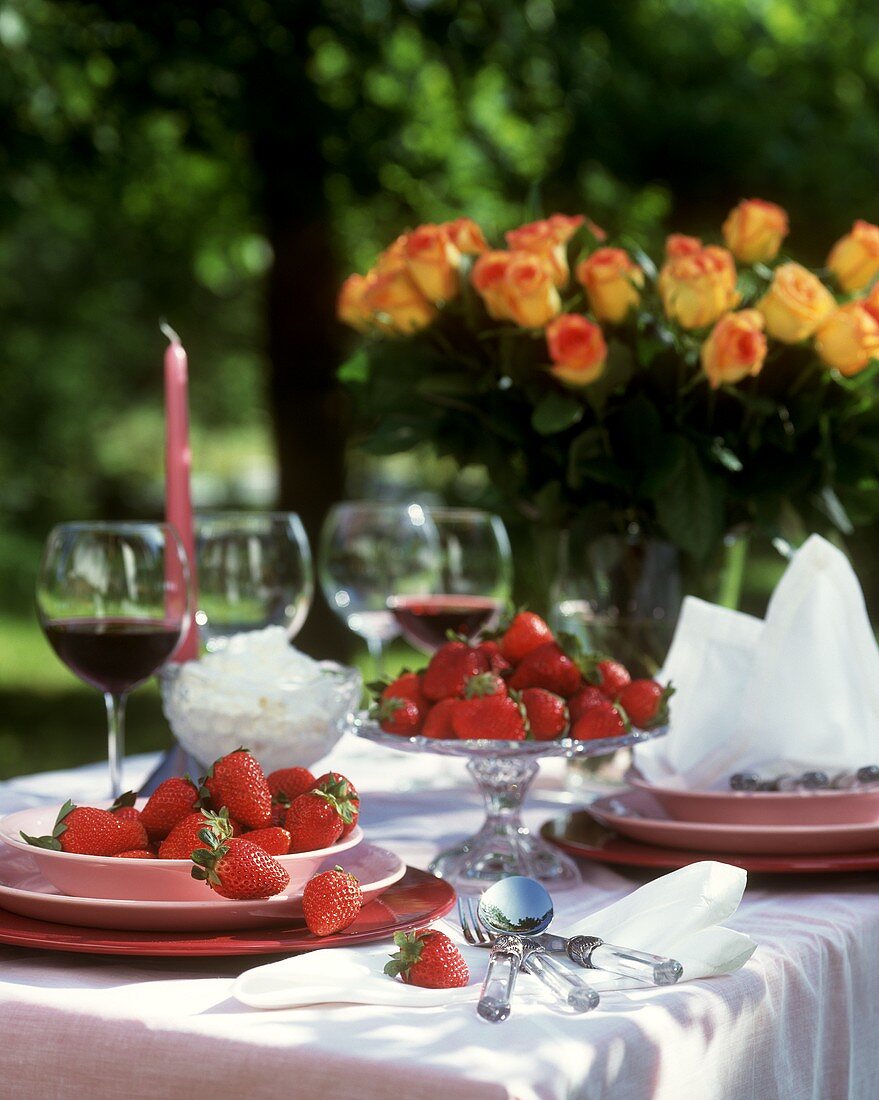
(790, 831)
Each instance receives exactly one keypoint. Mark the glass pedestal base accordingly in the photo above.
(488, 856)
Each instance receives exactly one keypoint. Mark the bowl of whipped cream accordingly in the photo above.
(258, 691)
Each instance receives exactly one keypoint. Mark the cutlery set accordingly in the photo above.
(510, 920)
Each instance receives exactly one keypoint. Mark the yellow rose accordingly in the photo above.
(351, 307)
(848, 339)
(754, 230)
(854, 259)
(795, 304)
(698, 287)
(530, 293)
(735, 348)
(433, 261)
(488, 279)
(466, 236)
(611, 280)
(577, 349)
(547, 238)
(397, 302)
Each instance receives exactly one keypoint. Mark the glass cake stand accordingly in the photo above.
(503, 772)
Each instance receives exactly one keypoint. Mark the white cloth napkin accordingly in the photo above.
(796, 692)
(679, 915)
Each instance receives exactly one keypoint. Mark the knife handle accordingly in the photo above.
(500, 978)
(595, 954)
(567, 986)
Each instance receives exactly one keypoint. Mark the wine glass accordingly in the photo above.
(369, 550)
(254, 570)
(113, 601)
(471, 587)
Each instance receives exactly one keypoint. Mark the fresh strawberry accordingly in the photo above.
(547, 666)
(85, 830)
(490, 652)
(345, 794)
(185, 837)
(525, 633)
(169, 803)
(123, 808)
(401, 716)
(583, 698)
(313, 821)
(237, 782)
(602, 720)
(331, 901)
(485, 683)
(493, 717)
(407, 686)
(132, 834)
(274, 840)
(449, 670)
(438, 723)
(428, 959)
(137, 853)
(546, 712)
(610, 677)
(238, 869)
(289, 783)
(646, 703)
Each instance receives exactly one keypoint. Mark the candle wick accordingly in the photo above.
(168, 332)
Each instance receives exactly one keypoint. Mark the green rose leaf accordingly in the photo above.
(555, 413)
(690, 506)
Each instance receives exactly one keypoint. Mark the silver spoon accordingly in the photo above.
(516, 909)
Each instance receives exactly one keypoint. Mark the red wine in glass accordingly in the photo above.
(113, 655)
(426, 621)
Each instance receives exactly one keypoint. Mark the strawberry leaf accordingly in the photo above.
(124, 800)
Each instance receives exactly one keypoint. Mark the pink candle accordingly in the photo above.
(178, 463)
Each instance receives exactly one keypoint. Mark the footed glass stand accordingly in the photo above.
(503, 771)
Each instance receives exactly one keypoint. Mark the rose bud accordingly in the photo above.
(577, 348)
(735, 348)
(530, 293)
(854, 259)
(698, 287)
(795, 304)
(754, 230)
(611, 281)
(432, 262)
(848, 339)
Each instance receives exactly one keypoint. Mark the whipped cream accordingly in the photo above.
(259, 692)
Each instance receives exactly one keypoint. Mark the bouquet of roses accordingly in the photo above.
(719, 387)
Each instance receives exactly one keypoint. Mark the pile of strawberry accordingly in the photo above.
(522, 684)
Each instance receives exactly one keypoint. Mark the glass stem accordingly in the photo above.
(115, 738)
(377, 653)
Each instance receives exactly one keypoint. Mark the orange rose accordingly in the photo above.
(547, 238)
(528, 287)
(611, 280)
(577, 349)
(795, 304)
(351, 307)
(679, 244)
(735, 348)
(871, 302)
(848, 339)
(754, 230)
(397, 302)
(393, 257)
(854, 259)
(488, 278)
(698, 287)
(433, 261)
(466, 236)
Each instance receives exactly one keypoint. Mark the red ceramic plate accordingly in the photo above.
(415, 900)
(581, 835)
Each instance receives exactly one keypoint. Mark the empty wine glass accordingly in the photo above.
(471, 587)
(369, 550)
(113, 601)
(254, 570)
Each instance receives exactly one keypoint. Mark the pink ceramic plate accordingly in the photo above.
(638, 815)
(858, 806)
(137, 879)
(413, 902)
(25, 891)
(581, 835)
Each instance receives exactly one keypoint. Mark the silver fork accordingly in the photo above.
(568, 988)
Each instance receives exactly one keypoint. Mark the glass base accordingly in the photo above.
(497, 852)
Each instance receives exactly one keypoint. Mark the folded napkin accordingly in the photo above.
(796, 692)
(678, 915)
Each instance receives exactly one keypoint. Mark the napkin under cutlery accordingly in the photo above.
(795, 692)
(678, 915)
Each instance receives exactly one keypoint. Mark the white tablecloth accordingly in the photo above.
(800, 1020)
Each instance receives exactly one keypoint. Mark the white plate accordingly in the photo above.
(638, 815)
(25, 891)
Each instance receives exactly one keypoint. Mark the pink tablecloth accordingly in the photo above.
(800, 1021)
